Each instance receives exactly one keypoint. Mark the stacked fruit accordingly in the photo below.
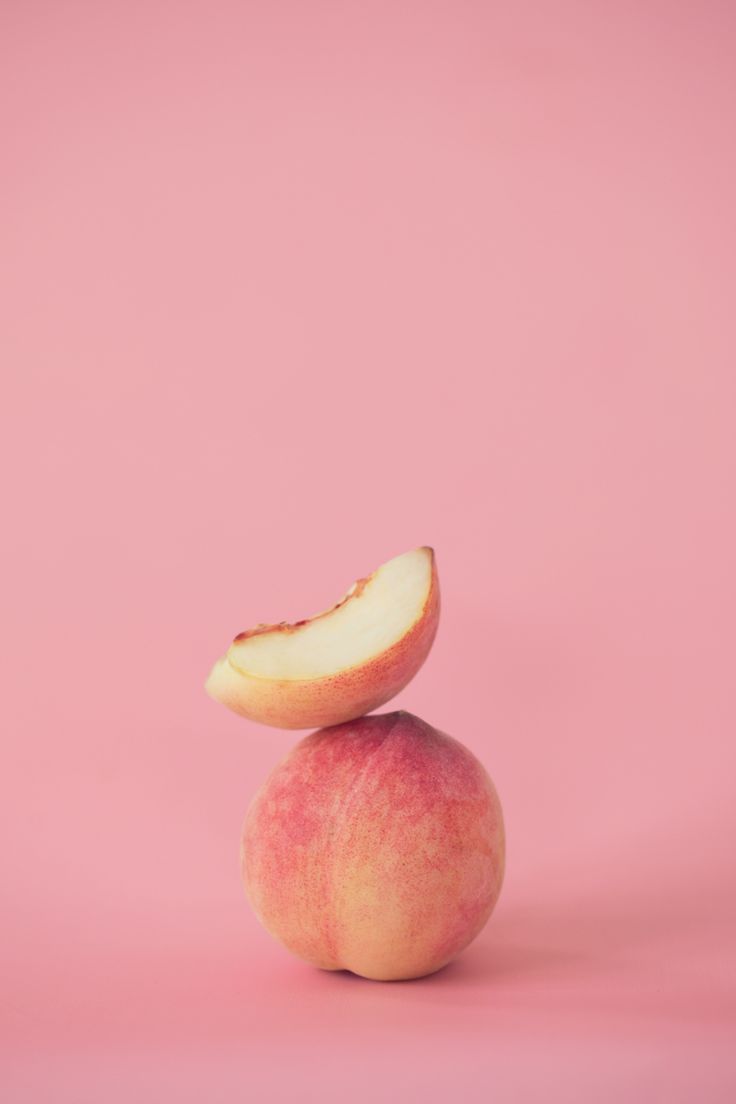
(377, 845)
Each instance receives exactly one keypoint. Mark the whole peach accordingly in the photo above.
(376, 846)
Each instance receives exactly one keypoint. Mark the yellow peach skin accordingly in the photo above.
(376, 846)
(339, 664)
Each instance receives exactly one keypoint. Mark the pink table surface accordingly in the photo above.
(288, 288)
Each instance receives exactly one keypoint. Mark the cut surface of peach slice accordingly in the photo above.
(339, 664)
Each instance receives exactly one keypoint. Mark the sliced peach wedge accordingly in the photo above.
(339, 664)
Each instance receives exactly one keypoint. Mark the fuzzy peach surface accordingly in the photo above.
(376, 846)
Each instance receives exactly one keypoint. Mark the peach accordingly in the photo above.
(339, 664)
(376, 846)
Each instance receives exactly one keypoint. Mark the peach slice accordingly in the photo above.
(339, 664)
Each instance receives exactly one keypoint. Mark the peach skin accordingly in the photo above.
(376, 846)
(339, 664)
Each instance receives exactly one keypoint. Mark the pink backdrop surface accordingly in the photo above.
(289, 288)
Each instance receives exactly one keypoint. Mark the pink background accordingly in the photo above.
(289, 288)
